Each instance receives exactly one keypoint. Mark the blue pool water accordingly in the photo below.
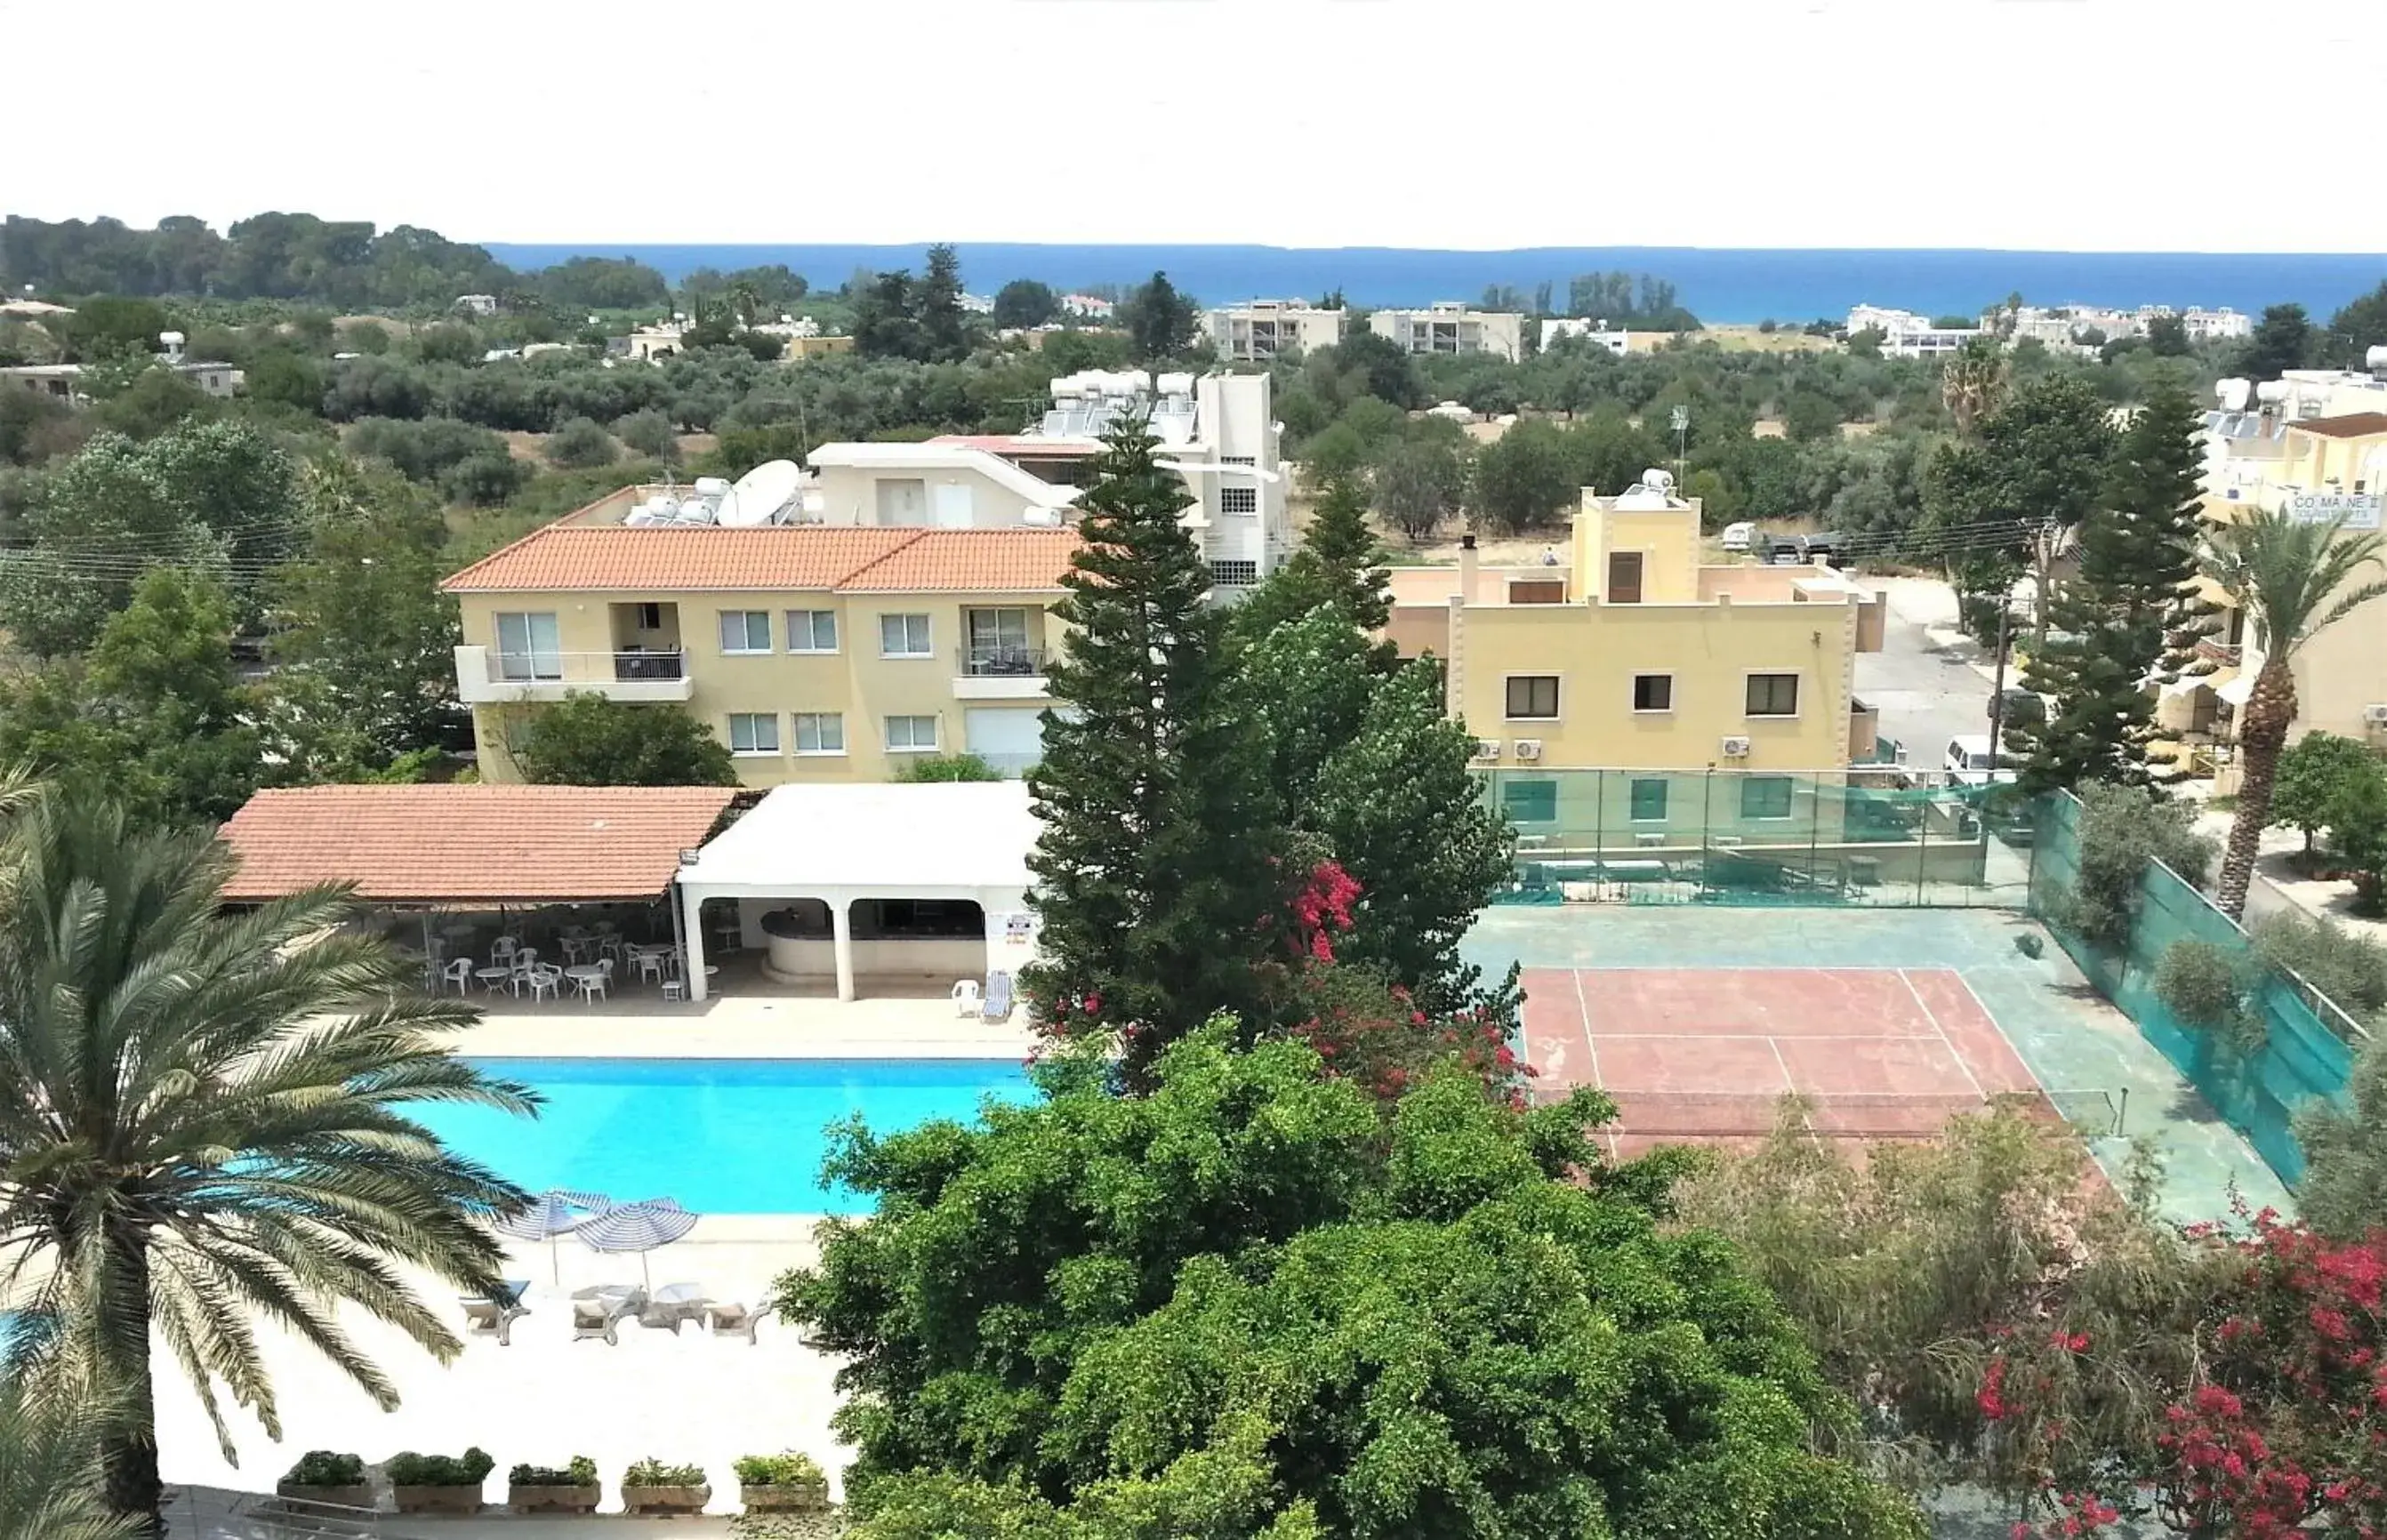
(722, 1136)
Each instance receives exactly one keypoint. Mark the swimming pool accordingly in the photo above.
(723, 1136)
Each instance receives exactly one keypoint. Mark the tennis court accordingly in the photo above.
(1709, 1052)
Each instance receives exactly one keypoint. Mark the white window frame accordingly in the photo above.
(813, 619)
(535, 661)
(887, 727)
(752, 751)
(721, 632)
(1557, 706)
(1639, 710)
(928, 648)
(1251, 492)
(835, 720)
(1797, 694)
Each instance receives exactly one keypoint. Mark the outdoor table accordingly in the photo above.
(491, 978)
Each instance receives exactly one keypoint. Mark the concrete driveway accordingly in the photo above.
(1928, 690)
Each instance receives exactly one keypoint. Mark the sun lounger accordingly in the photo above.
(674, 1306)
(733, 1320)
(598, 1312)
(489, 1317)
(998, 997)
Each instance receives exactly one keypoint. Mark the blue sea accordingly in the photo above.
(1717, 284)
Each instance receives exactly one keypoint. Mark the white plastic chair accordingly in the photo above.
(503, 950)
(651, 965)
(459, 972)
(966, 996)
(593, 985)
(545, 978)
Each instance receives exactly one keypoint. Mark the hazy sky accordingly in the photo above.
(2068, 124)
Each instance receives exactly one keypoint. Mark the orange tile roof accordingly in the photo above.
(468, 844)
(565, 558)
(2356, 424)
(1002, 561)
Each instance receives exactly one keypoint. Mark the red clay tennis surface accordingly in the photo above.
(1708, 1052)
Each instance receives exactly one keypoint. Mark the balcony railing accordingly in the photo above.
(494, 675)
(2222, 653)
(999, 663)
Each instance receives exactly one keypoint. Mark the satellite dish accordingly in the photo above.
(2234, 394)
(724, 510)
(761, 493)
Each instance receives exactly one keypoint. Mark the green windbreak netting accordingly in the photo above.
(2308, 1044)
(1752, 838)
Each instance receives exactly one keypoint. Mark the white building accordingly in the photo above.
(1907, 335)
(1260, 329)
(1450, 326)
(1086, 307)
(976, 304)
(1217, 431)
(1556, 328)
(477, 304)
(2221, 325)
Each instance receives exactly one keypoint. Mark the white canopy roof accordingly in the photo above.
(940, 840)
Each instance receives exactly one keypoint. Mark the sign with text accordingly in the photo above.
(2354, 510)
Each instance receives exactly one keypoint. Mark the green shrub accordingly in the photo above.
(322, 1468)
(470, 1469)
(2349, 968)
(654, 1472)
(784, 1470)
(2204, 985)
(2122, 829)
(581, 1471)
(948, 768)
(580, 444)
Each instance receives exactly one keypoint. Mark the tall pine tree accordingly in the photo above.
(1334, 565)
(1154, 871)
(2129, 621)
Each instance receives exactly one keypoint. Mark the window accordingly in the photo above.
(1530, 802)
(911, 735)
(811, 630)
(1765, 797)
(745, 630)
(1239, 459)
(754, 732)
(651, 616)
(1239, 499)
(820, 733)
(1653, 692)
(995, 632)
(1234, 574)
(1649, 800)
(1532, 696)
(1774, 695)
(903, 635)
(529, 647)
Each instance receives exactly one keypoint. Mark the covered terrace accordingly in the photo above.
(896, 884)
(575, 876)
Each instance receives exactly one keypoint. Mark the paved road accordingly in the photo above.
(1927, 694)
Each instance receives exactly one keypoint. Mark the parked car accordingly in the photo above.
(1737, 536)
(2023, 709)
(1971, 762)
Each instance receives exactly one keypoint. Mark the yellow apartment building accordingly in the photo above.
(1637, 655)
(2318, 468)
(815, 653)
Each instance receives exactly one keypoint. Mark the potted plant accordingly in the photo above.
(782, 1484)
(547, 1489)
(650, 1486)
(439, 1483)
(321, 1476)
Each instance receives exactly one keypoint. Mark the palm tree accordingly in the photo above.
(2293, 580)
(203, 1123)
(1973, 383)
(49, 1449)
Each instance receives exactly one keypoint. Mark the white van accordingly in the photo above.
(1971, 762)
(1736, 536)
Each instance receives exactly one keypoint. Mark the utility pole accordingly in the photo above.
(1681, 419)
(1998, 696)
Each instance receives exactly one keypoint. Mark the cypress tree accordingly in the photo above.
(1154, 871)
(2131, 620)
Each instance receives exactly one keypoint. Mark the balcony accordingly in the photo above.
(2220, 653)
(486, 677)
(1000, 674)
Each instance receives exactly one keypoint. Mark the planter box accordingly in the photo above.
(665, 1499)
(339, 1496)
(552, 1499)
(786, 1499)
(437, 1499)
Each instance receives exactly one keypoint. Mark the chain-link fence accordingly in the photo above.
(1747, 836)
(2307, 1042)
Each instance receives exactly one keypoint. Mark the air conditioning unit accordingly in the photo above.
(2375, 715)
(1528, 750)
(1487, 750)
(1649, 841)
(1736, 748)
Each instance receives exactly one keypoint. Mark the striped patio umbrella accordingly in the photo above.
(554, 1213)
(639, 1227)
